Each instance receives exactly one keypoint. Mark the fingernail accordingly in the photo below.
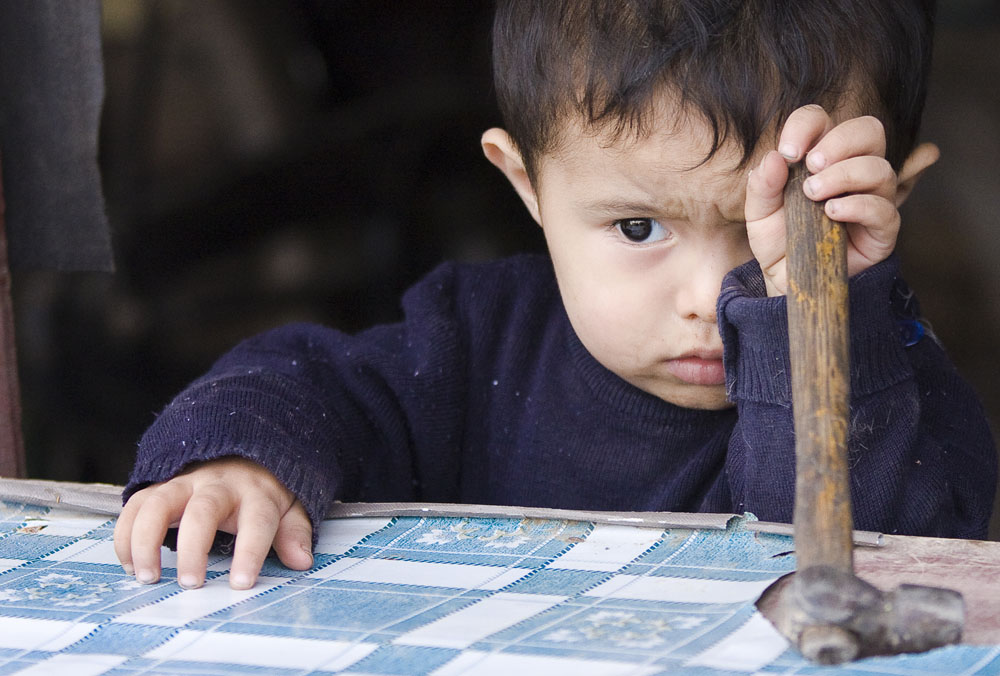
(812, 186)
(129, 568)
(816, 160)
(188, 582)
(832, 208)
(788, 151)
(240, 581)
(145, 576)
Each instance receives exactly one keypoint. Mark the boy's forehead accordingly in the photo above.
(666, 170)
(610, 181)
(671, 140)
(666, 125)
(668, 120)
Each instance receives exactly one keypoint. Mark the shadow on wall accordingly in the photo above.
(308, 160)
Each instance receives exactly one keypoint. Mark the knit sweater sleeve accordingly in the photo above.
(921, 456)
(333, 416)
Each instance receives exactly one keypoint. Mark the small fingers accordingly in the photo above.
(207, 509)
(876, 215)
(293, 541)
(230, 494)
(765, 188)
(872, 226)
(257, 524)
(123, 530)
(764, 214)
(160, 509)
(855, 137)
(869, 174)
(803, 128)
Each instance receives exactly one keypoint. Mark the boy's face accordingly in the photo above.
(640, 242)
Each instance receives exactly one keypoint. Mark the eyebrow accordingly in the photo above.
(671, 210)
(616, 207)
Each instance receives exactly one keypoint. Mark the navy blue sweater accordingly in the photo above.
(484, 394)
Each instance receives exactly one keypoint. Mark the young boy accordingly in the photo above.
(643, 367)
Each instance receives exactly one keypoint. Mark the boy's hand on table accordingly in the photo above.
(848, 167)
(234, 495)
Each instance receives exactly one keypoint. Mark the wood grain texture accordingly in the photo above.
(819, 354)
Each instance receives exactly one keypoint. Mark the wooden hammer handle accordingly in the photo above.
(819, 351)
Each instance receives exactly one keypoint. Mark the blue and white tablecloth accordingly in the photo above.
(415, 595)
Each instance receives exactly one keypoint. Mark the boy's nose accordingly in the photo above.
(699, 292)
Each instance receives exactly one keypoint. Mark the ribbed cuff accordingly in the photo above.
(234, 415)
(754, 332)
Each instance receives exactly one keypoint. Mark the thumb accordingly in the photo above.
(293, 539)
(766, 188)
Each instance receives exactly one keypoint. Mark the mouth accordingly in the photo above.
(698, 368)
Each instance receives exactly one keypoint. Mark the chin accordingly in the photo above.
(703, 398)
(685, 395)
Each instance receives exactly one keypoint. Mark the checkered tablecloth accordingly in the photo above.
(413, 595)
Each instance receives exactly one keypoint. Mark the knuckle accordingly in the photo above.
(139, 495)
(171, 488)
(851, 209)
(260, 512)
(848, 175)
(877, 131)
(297, 523)
(129, 509)
(867, 209)
(160, 500)
(879, 213)
(886, 174)
(205, 504)
(873, 123)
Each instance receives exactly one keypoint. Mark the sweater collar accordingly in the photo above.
(627, 399)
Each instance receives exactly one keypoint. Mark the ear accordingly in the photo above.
(919, 160)
(500, 150)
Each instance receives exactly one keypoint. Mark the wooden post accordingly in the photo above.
(819, 351)
(12, 462)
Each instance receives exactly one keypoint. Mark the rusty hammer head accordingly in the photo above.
(834, 616)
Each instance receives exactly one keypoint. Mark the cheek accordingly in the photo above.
(616, 298)
(613, 312)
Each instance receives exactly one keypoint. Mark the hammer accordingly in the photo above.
(827, 611)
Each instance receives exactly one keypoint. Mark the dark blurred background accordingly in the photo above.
(263, 162)
(270, 161)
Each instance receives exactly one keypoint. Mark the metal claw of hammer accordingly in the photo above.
(828, 612)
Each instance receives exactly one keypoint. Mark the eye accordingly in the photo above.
(641, 230)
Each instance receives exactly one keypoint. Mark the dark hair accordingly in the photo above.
(743, 65)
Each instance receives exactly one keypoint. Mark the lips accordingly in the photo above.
(698, 369)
